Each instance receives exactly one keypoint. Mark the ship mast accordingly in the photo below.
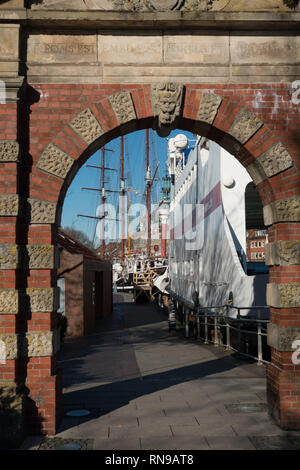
(122, 201)
(148, 195)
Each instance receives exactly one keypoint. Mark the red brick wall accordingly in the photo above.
(50, 113)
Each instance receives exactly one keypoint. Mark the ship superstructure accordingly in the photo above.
(207, 252)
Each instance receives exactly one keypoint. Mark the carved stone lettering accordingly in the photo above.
(244, 126)
(166, 103)
(53, 160)
(122, 106)
(51, 48)
(208, 108)
(9, 205)
(9, 151)
(86, 126)
(275, 159)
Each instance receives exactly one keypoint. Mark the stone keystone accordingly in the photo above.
(167, 99)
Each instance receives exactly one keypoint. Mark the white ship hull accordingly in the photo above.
(208, 254)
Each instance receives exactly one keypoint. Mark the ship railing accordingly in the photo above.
(246, 336)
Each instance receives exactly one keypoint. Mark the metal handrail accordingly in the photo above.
(221, 319)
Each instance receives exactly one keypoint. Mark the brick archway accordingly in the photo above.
(38, 169)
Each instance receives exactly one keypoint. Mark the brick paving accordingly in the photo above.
(147, 390)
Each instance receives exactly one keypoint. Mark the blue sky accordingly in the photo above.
(78, 201)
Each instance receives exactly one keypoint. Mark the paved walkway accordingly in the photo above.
(148, 390)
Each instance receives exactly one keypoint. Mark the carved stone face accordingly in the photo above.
(167, 100)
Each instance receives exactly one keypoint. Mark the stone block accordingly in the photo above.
(9, 205)
(28, 257)
(9, 301)
(282, 210)
(250, 48)
(31, 344)
(282, 337)
(40, 211)
(208, 108)
(143, 48)
(56, 162)
(9, 151)
(283, 295)
(256, 172)
(244, 126)
(9, 42)
(275, 159)
(42, 299)
(57, 49)
(283, 253)
(41, 344)
(123, 107)
(196, 49)
(8, 256)
(86, 126)
(32, 299)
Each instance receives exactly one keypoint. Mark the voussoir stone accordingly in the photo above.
(56, 162)
(244, 126)
(123, 107)
(208, 107)
(275, 159)
(87, 126)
